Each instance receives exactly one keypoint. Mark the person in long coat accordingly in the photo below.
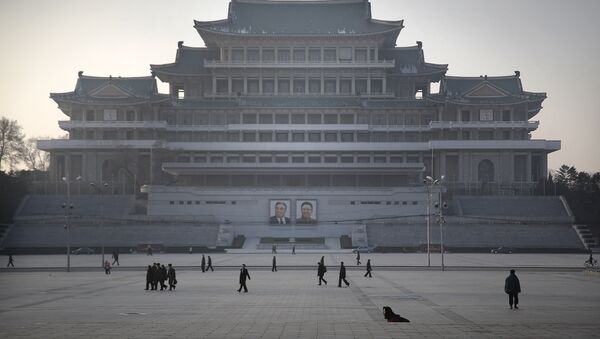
(321, 272)
(148, 277)
(369, 269)
(209, 266)
(512, 287)
(274, 267)
(172, 277)
(357, 258)
(342, 275)
(203, 264)
(163, 277)
(243, 275)
(155, 276)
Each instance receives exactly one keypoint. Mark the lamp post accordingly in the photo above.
(102, 191)
(67, 206)
(440, 205)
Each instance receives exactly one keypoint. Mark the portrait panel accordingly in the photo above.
(279, 212)
(306, 212)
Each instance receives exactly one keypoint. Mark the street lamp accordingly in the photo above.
(67, 206)
(102, 190)
(440, 205)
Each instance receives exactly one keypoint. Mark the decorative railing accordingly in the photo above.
(532, 125)
(298, 64)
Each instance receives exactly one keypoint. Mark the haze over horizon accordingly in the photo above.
(554, 46)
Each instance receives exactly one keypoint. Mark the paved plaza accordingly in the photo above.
(465, 301)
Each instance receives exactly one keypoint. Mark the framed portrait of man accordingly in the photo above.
(306, 212)
(279, 212)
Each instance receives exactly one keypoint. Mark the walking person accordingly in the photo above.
(321, 272)
(369, 269)
(107, 267)
(512, 287)
(243, 275)
(11, 261)
(155, 276)
(342, 275)
(163, 277)
(210, 265)
(274, 267)
(323, 260)
(171, 276)
(148, 277)
(357, 258)
(203, 264)
(115, 256)
(294, 249)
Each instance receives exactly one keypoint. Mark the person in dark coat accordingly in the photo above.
(357, 258)
(369, 269)
(209, 266)
(107, 267)
(323, 260)
(148, 277)
(274, 267)
(163, 277)
(512, 287)
(155, 276)
(203, 264)
(342, 275)
(321, 272)
(115, 256)
(11, 261)
(172, 278)
(243, 275)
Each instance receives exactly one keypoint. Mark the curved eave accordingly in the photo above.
(172, 73)
(108, 102)
(201, 29)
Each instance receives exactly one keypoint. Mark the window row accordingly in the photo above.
(381, 157)
(300, 180)
(299, 86)
(299, 54)
(411, 118)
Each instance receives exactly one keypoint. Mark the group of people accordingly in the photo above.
(157, 273)
(204, 266)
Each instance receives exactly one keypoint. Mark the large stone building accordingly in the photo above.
(300, 102)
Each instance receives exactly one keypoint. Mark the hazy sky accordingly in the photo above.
(555, 45)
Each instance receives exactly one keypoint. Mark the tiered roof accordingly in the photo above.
(498, 90)
(189, 61)
(410, 61)
(299, 18)
(111, 90)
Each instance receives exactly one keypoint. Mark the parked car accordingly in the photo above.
(363, 249)
(83, 250)
(502, 249)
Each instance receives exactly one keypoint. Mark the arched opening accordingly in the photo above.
(485, 171)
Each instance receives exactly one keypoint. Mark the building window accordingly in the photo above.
(361, 86)
(299, 86)
(249, 118)
(329, 55)
(314, 86)
(299, 55)
(283, 54)
(360, 54)
(298, 118)
(376, 86)
(486, 115)
(506, 115)
(298, 136)
(283, 86)
(268, 86)
(314, 119)
(346, 159)
(314, 136)
(297, 159)
(506, 135)
(249, 136)
(346, 86)
(265, 136)
(265, 118)
(222, 86)
(265, 159)
(331, 118)
(281, 159)
(314, 54)
(329, 86)
(347, 137)
(282, 119)
(268, 55)
(345, 54)
(281, 136)
(252, 55)
(465, 115)
(347, 119)
(253, 86)
(330, 136)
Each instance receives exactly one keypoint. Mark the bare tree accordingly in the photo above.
(11, 142)
(34, 158)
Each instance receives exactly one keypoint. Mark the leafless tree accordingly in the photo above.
(11, 142)
(34, 158)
